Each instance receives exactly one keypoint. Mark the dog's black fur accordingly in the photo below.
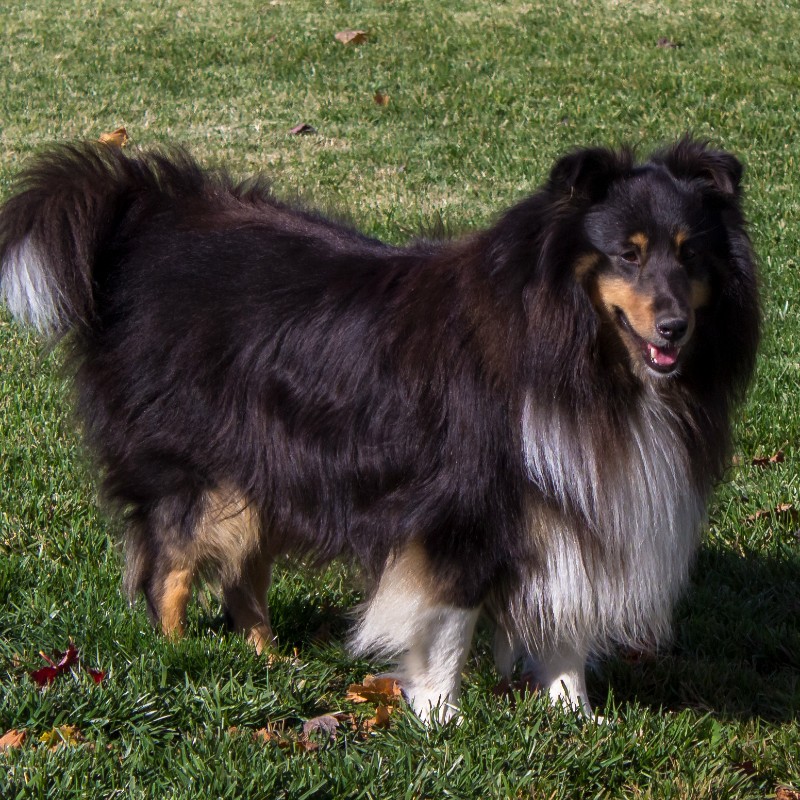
(256, 379)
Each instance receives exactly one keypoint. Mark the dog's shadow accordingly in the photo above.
(736, 651)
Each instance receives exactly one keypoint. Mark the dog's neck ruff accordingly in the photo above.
(613, 523)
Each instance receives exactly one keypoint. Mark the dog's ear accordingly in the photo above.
(694, 160)
(585, 175)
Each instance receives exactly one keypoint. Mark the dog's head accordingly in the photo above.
(655, 245)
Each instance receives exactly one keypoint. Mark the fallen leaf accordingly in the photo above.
(381, 719)
(117, 138)
(784, 512)
(97, 675)
(351, 37)
(326, 723)
(375, 689)
(266, 735)
(785, 793)
(285, 743)
(767, 461)
(11, 740)
(302, 129)
(47, 675)
(62, 736)
(381, 99)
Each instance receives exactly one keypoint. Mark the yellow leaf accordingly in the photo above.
(68, 735)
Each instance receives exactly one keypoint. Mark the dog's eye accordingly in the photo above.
(687, 253)
(630, 257)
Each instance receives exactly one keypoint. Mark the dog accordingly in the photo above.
(527, 420)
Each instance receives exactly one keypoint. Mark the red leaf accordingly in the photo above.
(45, 675)
(97, 675)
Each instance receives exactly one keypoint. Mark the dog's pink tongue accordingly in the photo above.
(663, 358)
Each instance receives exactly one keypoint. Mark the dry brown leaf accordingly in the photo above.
(325, 724)
(785, 793)
(381, 719)
(351, 37)
(768, 461)
(381, 99)
(117, 138)
(265, 735)
(784, 512)
(11, 740)
(375, 689)
(285, 743)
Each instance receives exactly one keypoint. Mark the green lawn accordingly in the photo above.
(482, 97)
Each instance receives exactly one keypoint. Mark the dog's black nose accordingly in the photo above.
(672, 329)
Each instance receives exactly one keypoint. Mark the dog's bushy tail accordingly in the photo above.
(65, 212)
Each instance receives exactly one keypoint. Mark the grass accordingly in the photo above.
(483, 96)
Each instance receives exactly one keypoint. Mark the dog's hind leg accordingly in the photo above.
(172, 593)
(163, 571)
(246, 602)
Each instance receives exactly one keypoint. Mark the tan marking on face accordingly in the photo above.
(680, 238)
(700, 293)
(617, 293)
(175, 593)
(585, 264)
(641, 241)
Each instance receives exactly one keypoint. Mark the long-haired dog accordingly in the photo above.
(528, 420)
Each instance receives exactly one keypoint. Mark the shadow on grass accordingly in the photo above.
(736, 651)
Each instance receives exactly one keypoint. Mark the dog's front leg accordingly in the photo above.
(561, 673)
(430, 671)
(408, 618)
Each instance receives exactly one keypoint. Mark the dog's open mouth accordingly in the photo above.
(661, 358)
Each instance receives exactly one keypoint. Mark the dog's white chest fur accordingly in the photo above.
(612, 548)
